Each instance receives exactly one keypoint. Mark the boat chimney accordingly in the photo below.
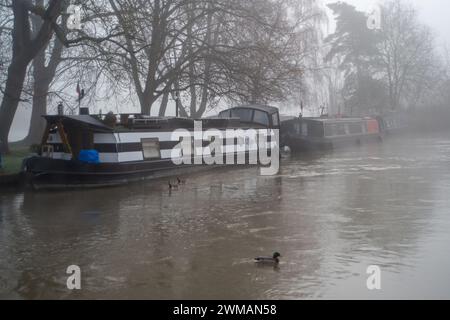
(60, 109)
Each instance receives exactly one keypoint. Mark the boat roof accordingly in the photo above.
(264, 108)
(337, 120)
(79, 119)
(284, 118)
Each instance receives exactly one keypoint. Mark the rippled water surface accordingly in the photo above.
(330, 215)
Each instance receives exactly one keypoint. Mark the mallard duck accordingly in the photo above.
(269, 260)
(173, 186)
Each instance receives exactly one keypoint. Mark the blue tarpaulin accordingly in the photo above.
(89, 156)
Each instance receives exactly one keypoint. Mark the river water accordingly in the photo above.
(330, 215)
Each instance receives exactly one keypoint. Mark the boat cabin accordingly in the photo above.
(256, 115)
(135, 137)
(305, 133)
(335, 128)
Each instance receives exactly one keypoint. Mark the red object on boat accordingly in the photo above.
(373, 127)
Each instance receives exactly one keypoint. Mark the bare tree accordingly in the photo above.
(155, 51)
(25, 48)
(44, 68)
(204, 51)
(33, 28)
(406, 52)
(6, 25)
(259, 50)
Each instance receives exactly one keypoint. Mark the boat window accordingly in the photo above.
(261, 117)
(330, 130)
(304, 129)
(336, 129)
(225, 114)
(275, 120)
(339, 129)
(244, 114)
(297, 128)
(151, 148)
(316, 129)
(364, 127)
(355, 128)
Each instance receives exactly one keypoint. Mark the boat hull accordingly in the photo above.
(45, 173)
(300, 144)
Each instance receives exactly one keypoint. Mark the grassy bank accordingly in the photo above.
(13, 161)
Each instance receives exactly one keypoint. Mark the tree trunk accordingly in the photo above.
(37, 124)
(164, 102)
(11, 99)
(43, 76)
(146, 105)
(208, 64)
(181, 110)
(24, 50)
(192, 73)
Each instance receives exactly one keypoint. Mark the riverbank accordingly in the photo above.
(12, 163)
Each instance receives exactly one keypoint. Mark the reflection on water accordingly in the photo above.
(330, 215)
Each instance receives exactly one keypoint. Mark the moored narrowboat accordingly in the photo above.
(305, 134)
(93, 150)
(394, 123)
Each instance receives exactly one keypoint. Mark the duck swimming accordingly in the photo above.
(173, 186)
(269, 260)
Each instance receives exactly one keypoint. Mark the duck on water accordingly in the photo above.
(274, 260)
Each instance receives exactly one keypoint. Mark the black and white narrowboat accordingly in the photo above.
(94, 150)
(306, 134)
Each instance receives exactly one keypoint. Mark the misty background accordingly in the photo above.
(435, 13)
(316, 98)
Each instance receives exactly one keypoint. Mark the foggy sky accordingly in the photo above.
(435, 13)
